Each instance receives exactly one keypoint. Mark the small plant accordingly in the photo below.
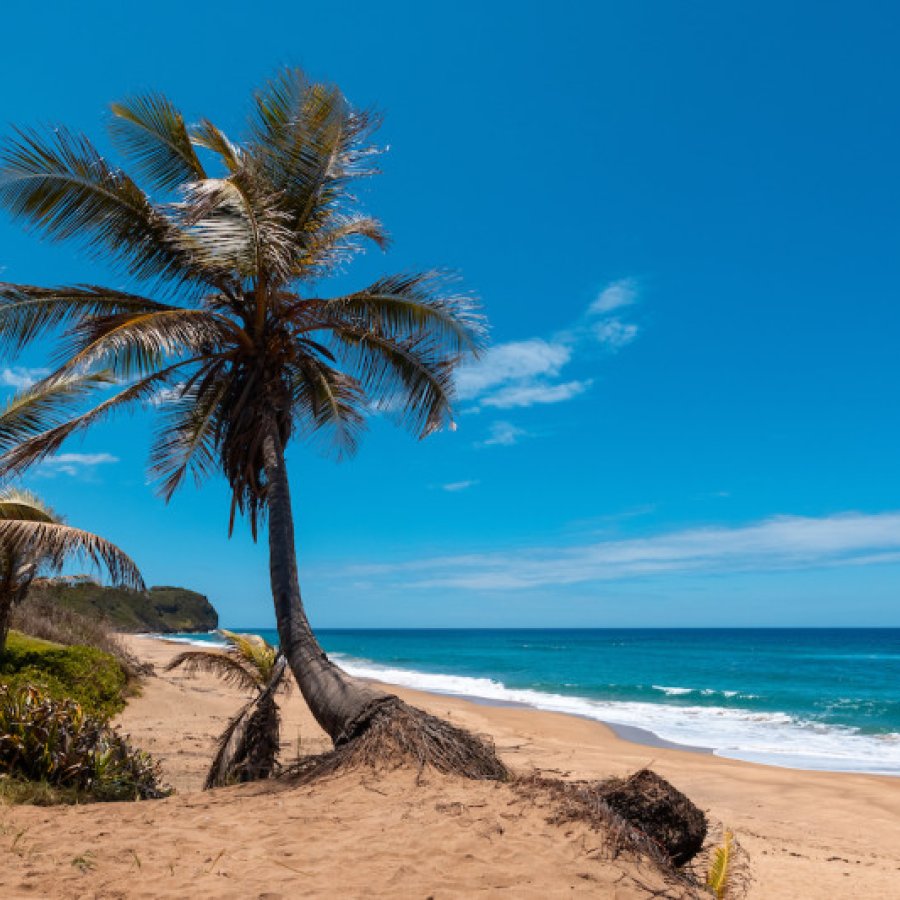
(717, 879)
(248, 748)
(54, 742)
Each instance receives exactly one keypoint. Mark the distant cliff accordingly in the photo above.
(161, 609)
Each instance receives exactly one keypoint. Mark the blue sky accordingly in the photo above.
(683, 220)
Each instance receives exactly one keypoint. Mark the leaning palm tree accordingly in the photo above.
(237, 349)
(248, 748)
(35, 540)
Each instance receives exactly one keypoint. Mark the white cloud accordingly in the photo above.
(615, 334)
(615, 296)
(75, 463)
(530, 394)
(515, 361)
(19, 377)
(502, 434)
(456, 486)
(525, 373)
(779, 543)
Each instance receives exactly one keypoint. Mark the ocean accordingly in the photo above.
(825, 699)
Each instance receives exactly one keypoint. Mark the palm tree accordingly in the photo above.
(249, 745)
(233, 238)
(34, 539)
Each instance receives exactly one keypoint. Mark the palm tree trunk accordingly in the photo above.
(342, 705)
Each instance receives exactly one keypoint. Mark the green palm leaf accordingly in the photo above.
(411, 380)
(36, 422)
(45, 405)
(62, 186)
(150, 131)
(411, 304)
(208, 136)
(134, 344)
(28, 312)
(229, 668)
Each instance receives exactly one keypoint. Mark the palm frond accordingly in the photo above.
(61, 185)
(326, 399)
(233, 225)
(254, 652)
(411, 306)
(45, 405)
(717, 879)
(335, 244)
(310, 143)
(150, 131)
(18, 503)
(205, 134)
(134, 344)
(223, 665)
(54, 544)
(187, 440)
(248, 748)
(28, 312)
(411, 380)
(33, 425)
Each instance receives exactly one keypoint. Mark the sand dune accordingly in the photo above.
(805, 834)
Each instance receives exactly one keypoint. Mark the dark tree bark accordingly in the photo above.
(341, 704)
(13, 591)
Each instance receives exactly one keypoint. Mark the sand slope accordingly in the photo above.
(806, 834)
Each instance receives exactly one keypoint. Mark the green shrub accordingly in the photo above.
(51, 742)
(91, 677)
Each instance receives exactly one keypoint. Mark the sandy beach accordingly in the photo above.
(803, 834)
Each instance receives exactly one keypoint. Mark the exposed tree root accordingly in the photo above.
(659, 809)
(643, 816)
(391, 734)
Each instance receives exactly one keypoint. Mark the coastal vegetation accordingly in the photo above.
(52, 750)
(248, 748)
(94, 679)
(160, 610)
(41, 617)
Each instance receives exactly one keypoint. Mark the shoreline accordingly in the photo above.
(813, 834)
(634, 732)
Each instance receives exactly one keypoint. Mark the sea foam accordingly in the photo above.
(774, 738)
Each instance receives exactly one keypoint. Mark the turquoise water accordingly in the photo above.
(805, 698)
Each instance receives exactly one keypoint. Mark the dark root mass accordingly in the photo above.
(643, 814)
(391, 734)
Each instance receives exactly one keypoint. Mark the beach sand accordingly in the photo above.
(804, 834)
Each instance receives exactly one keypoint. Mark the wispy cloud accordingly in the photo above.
(779, 543)
(518, 395)
(19, 377)
(503, 434)
(526, 373)
(512, 363)
(74, 463)
(615, 334)
(455, 486)
(615, 296)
